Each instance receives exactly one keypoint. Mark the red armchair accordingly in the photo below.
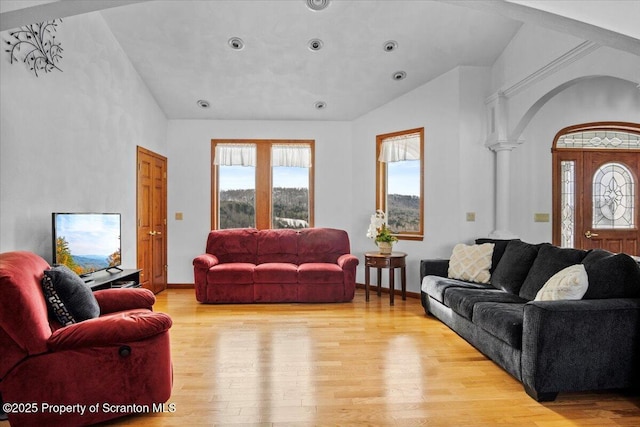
(84, 373)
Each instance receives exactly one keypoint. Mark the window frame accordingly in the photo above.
(263, 177)
(381, 182)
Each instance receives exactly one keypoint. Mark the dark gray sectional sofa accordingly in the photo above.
(550, 346)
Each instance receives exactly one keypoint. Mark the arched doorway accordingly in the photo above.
(596, 197)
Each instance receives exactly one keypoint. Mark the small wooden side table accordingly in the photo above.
(391, 261)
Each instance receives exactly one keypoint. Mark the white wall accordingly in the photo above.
(552, 81)
(190, 178)
(458, 168)
(68, 139)
(531, 49)
(592, 100)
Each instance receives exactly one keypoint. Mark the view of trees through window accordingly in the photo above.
(237, 196)
(238, 190)
(290, 197)
(403, 198)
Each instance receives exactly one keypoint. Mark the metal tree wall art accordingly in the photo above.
(43, 52)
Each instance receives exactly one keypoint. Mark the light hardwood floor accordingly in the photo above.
(344, 364)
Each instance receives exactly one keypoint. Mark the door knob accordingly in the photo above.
(588, 234)
(152, 233)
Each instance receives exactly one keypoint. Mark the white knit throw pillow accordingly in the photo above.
(471, 263)
(570, 283)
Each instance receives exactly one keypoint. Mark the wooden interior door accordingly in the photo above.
(610, 203)
(152, 219)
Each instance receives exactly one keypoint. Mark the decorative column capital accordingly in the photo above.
(503, 145)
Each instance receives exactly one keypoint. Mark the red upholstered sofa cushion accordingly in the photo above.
(322, 245)
(235, 245)
(277, 246)
(275, 272)
(240, 273)
(320, 272)
(24, 327)
(249, 265)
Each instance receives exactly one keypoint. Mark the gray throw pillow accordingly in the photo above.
(514, 266)
(68, 299)
(611, 275)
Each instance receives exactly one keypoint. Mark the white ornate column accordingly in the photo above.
(499, 142)
(503, 200)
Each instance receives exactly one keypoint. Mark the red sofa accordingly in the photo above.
(81, 374)
(248, 265)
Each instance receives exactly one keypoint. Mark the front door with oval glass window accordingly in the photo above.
(610, 203)
(596, 193)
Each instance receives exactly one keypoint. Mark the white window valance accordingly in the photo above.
(235, 155)
(291, 155)
(400, 148)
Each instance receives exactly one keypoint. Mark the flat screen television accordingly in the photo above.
(86, 242)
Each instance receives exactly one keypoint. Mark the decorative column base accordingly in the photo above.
(502, 235)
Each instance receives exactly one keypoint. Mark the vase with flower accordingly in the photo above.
(381, 233)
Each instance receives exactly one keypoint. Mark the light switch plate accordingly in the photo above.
(178, 216)
(471, 216)
(541, 217)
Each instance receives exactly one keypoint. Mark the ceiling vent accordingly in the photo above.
(390, 46)
(399, 75)
(317, 5)
(315, 44)
(236, 43)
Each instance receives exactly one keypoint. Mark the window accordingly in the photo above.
(262, 184)
(236, 184)
(613, 197)
(568, 202)
(399, 183)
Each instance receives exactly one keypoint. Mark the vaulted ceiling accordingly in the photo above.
(182, 49)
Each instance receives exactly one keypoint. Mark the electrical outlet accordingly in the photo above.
(471, 216)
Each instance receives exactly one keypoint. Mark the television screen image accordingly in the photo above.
(86, 242)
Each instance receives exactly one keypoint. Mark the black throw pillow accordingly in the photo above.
(500, 245)
(549, 261)
(69, 300)
(514, 266)
(611, 275)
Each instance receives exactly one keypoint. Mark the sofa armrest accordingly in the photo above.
(113, 300)
(111, 329)
(580, 345)
(205, 261)
(348, 261)
(434, 267)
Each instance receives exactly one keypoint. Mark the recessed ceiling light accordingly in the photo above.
(320, 105)
(399, 75)
(236, 43)
(390, 46)
(202, 103)
(315, 44)
(317, 5)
